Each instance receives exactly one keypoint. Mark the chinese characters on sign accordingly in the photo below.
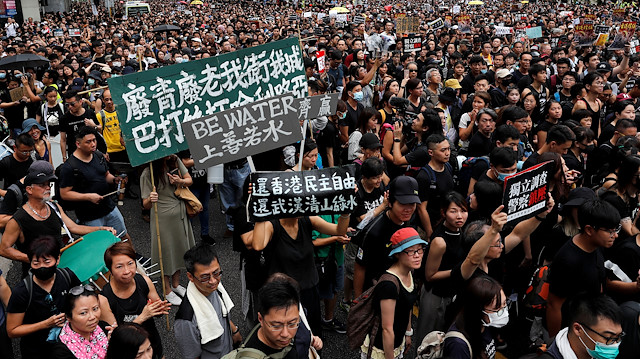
(254, 128)
(306, 193)
(525, 193)
(152, 105)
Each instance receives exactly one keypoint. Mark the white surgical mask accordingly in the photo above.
(497, 320)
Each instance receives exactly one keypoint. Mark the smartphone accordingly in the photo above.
(174, 171)
(406, 73)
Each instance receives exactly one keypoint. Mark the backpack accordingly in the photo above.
(464, 175)
(28, 282)
(362, 319)
(14, 187)
(432, 174)
(432, 346)
(250, 353)
(536, 295)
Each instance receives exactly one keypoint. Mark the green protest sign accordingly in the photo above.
(152, 105)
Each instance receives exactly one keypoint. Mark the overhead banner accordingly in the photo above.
(307, 193)
(253, 128)
(525, 193)
(153, 104)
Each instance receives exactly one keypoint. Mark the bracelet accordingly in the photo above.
(408, 333)
(345, 215)
(541, 219)
(235, 331)
(397, 140)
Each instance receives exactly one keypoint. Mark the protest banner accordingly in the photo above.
(151, 105)
(624, 35)
(634, 47)
(591, 17)
(503, 30)
(464, 24)
(583, 34)
(525, 193)
(253, 128)
(75, 32)
(618, 15)
(296, 194)
(534, 32)
(342, 18)
(447, 20)
(412, 43)
(320, 59)
(408, 25)
(521, 17)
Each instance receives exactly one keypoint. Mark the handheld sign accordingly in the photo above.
(320, 59)
(584, 34)
(305, 193)
(253, 128)
(525, 193)
(75, 32)
(624, 35)
(412, 43)
(152, 104)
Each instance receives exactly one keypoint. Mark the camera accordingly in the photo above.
(406, 117)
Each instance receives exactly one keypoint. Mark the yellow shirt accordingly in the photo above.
(110, 130)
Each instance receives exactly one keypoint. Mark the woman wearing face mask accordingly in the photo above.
(445, 251)
(353, 96)
(484, 307)
(583, 146)
(32, 314)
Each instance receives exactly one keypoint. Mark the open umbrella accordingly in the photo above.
(165, 28)
(340, 10)
(183, 3)
(476, 2)
(197, 2)
(19, 62)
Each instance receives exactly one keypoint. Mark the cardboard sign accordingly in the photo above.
(253, 128)
(75, 32)
(307, 193)
(584, 34)
(412, 43)
(534, 32)
(152, 104)
(321, 60)
(16, 94)
(624, 35)
(525, 193)
(408, 25)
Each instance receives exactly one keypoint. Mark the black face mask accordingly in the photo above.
(44, 273)
(589, 149)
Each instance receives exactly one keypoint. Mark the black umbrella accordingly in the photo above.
(19, 62)
(166, 28)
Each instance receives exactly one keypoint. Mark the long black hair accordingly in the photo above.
(126, 340)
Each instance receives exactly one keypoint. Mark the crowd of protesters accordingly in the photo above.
(433, 134)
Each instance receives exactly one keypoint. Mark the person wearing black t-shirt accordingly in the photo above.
(480, 142)
(16, 166)
(347, 125)
(201, 189)
(373, 255)
(72, 121)
(579, 265)
(434, 180)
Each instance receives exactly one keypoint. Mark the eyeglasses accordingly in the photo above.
(25, 153)
(48, 300)
(279, 326)
(205, 278)
(78, 290)
(612, 232)
(414, 252)
(609, 340)
(73, 103)
(501, 310)
(413, 70)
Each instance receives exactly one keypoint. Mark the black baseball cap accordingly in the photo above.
(370, 141)
(404, 189)
(39, 172)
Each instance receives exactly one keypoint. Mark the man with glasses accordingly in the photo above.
(279, 318)
(16, 166)
(203, 326)
(75, 118)
(594, 331)
(579, 265)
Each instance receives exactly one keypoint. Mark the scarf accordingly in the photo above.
(206, 316)
(94, 348)
(562, 341)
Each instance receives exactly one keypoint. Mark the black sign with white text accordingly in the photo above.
(525, 193)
